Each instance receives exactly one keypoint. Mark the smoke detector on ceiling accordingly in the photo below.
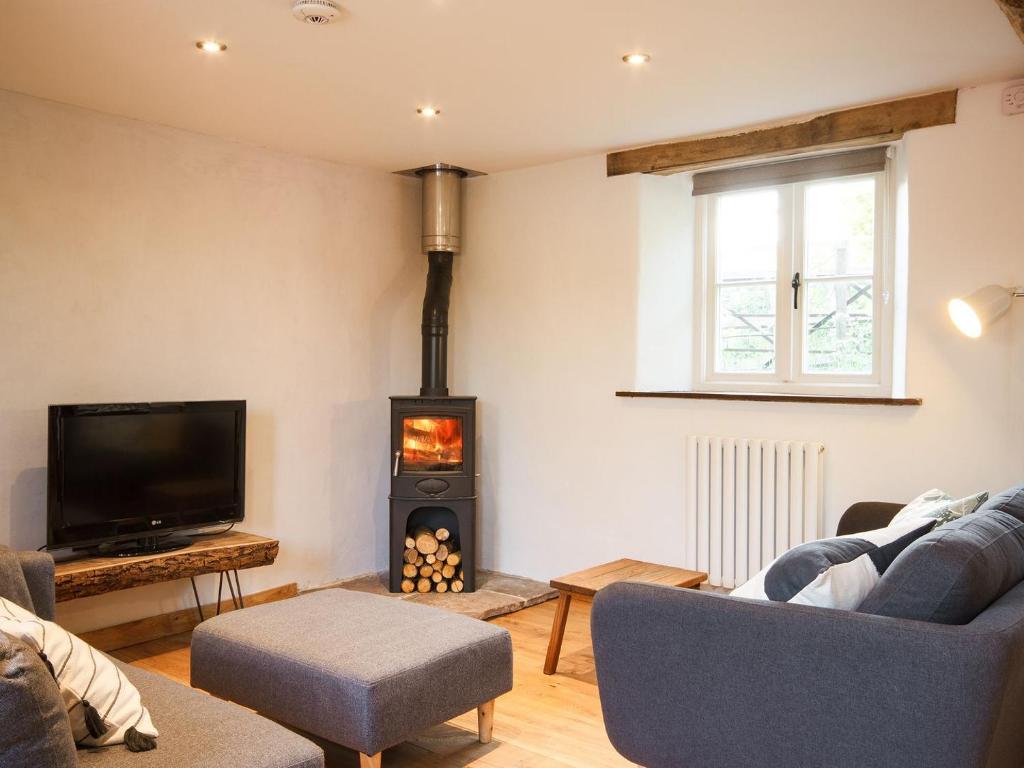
(316, 11)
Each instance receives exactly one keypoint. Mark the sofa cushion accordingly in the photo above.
(34, 727)
(199, 731)
(954, 573)
(13, 585)
(940, 506)
(833, 573)
(103, 706)
(1010, 501)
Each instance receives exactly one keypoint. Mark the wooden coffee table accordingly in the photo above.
(585, 584)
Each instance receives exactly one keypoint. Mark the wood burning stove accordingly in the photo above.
(433, 459)
(433, 483)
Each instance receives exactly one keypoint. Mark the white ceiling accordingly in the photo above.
(518, 82)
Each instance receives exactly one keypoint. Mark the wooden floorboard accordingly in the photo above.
(544, 722)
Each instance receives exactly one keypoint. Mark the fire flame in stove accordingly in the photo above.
(432, 444)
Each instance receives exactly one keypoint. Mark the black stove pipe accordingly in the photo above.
(434, 326)
(440, 240)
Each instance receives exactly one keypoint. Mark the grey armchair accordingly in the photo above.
(692, 679)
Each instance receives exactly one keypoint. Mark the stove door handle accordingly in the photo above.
(398, 458)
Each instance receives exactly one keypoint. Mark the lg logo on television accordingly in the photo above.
(155, 522)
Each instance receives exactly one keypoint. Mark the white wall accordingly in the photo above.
(546, 321)
(144, 263)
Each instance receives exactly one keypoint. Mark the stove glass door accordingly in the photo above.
(432, 444)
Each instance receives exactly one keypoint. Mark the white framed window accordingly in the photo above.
(795, 276)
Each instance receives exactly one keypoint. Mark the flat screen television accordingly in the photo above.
(123, 477)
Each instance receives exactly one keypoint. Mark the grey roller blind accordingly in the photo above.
(868, 160)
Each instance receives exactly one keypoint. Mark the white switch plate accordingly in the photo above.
(1013, 98)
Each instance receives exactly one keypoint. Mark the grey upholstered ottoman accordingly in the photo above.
(360, 670)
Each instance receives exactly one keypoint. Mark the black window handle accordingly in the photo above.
(796, 290)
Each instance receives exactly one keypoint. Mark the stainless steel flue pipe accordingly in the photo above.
(442, 206)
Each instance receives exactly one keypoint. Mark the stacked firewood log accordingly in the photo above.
(432, 564)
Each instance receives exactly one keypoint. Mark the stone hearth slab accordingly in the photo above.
(496, 593)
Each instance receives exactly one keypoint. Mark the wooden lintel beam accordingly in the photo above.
(873, 123)
(1014, 10)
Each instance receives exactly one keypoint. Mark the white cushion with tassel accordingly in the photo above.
(102, 704)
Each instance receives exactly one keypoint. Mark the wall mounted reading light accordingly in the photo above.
(972, 315)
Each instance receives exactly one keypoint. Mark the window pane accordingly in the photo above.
(747, 235)
(839, 227)
(838, 327)
(745, 341)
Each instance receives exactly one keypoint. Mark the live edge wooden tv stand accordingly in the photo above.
(220, 553)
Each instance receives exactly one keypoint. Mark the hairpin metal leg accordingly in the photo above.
(231, 589)
(199, 606)
(238, 584)
(220, 589)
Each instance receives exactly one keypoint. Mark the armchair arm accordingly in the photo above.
(701, 679)
(867, 516)
(38, 568)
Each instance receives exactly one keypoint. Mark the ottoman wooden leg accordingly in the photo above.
(485, 721)
(557, 633)
(369, 761)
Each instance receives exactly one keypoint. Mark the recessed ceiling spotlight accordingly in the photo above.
(211, 46)
(428, 111)
(636, 58)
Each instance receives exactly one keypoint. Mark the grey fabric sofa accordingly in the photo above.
(196, 730)
(700, 679)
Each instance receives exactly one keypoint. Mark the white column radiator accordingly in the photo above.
(748, 501)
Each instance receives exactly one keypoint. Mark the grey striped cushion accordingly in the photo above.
(84, 674)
